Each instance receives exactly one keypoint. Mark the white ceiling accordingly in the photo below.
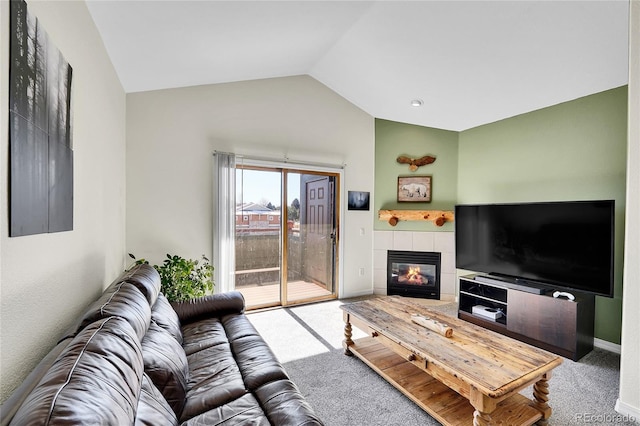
(471, 62)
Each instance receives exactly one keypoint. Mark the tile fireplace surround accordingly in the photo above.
(443, 242)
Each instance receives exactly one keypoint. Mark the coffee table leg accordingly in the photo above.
(481, 419)
(483, 407)
(347, 336)
(541, 397)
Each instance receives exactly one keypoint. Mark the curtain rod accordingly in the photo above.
(284, 160)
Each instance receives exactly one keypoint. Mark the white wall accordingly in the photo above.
(629, 401)
(172, 134)
(47, 279)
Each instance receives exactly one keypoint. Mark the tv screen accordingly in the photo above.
(558, 244)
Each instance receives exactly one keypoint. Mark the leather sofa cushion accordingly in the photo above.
(214, 380)
(202, 335)
(123, 300)
(255, 359)
(114, 301)
(95, 380)
(146, 279)
(164, 315)
(166, 365)
(285, 405)
(153, 409)
(242, 411)
(257, 362)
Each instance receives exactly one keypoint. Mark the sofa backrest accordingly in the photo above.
(122, 300)
(10, 405)
(153, 409)
(96, 380)
(146, 279)
(166, 365)
(163, 314)
(130, 296)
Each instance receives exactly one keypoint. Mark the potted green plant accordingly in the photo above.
(183, 279)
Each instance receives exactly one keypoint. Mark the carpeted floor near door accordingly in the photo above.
(344, 391)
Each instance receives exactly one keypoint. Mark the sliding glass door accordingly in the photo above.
(286, 245)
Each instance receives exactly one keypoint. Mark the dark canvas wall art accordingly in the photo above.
(358, 200)
(41, 154)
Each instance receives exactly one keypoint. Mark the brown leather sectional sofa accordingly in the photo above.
(134, 358)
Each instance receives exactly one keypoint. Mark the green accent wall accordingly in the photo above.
(394, 139)
(576, 150)
(571, 151)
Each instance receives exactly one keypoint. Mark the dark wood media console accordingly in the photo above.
(558, 325)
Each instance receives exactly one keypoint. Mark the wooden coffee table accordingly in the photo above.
(470, 378)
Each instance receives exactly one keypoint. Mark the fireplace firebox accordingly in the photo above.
(413, 274)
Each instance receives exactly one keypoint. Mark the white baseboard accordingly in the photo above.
(448, 297)
(633, 413)
(356, 294)
(606, 345)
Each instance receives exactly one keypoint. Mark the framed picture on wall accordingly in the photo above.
(414, 189)
(40, 145)
(358, 200)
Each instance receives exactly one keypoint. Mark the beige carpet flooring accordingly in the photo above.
(344, 391)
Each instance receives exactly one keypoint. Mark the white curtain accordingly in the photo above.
(224, 220)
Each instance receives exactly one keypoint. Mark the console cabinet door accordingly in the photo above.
(543, 318)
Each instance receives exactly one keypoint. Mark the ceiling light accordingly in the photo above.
(417, 103)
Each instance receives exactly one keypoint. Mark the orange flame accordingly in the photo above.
(414, 274)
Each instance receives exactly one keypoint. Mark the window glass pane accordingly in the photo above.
(258, 195)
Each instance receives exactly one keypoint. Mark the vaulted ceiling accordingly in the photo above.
(471, 63)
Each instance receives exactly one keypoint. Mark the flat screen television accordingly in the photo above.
(559, 245)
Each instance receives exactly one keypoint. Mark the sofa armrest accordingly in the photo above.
(215, 305)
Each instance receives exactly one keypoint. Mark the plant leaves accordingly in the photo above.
(185, 279)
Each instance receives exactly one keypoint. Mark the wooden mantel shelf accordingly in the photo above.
(439, 217)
